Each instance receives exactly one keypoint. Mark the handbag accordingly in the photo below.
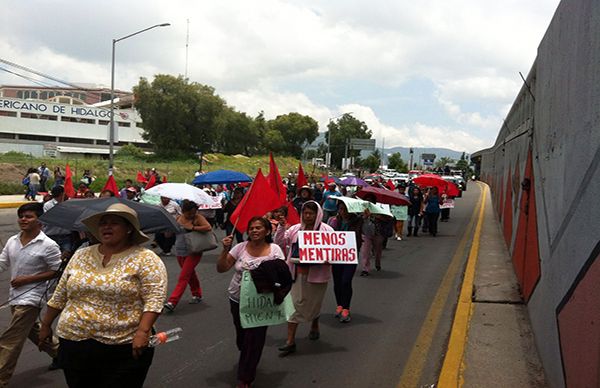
(198, 242)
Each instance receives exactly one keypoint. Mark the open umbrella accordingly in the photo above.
(221, 176)
(183, 191)
(432, 180)
(384, 196)
(68, 214)
(353, 181)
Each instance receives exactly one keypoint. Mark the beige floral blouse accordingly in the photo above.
(106, 303)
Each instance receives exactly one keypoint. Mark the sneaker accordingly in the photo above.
(338, 311)
(167, 253)
(398, 238)
(364, 273)
(169, 307)
(195, 300)
(287, 349)
(345, 316)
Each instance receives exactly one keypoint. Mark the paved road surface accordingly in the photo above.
(389, 310)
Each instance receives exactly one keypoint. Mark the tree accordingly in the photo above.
(340, 132)
(179, 117)
(372, 161)
(443, 162)
(237, 133)
(395, 162)
(297, 130)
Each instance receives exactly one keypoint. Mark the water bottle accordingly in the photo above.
(164, 336)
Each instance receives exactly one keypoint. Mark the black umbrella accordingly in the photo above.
(68, 214)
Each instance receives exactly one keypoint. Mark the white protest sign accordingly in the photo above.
(448, 204)
(317, 247)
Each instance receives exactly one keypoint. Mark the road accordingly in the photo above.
(401, 318)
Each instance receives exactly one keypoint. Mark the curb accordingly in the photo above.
(9, 205)
(451, 374)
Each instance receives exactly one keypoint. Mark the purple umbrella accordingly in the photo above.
(353, 181)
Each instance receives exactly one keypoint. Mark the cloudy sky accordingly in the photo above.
(429, 73)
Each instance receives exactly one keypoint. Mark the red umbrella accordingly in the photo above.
(384, 196)
(432, 180)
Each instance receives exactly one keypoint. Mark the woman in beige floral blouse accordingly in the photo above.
(108, 299)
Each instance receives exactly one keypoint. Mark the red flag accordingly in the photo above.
(293, 217)
(69, 189)
(275, 181)
(390, 185)
(111, 185)
(164, 179)
(301, 180)
(141, 178)
(259, 200)
(151, 182)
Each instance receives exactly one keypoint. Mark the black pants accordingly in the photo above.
(445, 214)
(165, 243)
(432, 223)
(250, 343)
(91, 364)
(342, 283)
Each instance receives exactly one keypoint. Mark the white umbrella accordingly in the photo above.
(182, 191)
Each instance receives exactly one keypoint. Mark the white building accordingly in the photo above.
(58, 129)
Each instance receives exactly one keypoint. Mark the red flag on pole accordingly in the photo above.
(293, 217)
(151, 182)
(274, 179)
(301, 180)
(111, 185)
(390, 185)
(69, 189)
(259, 200)
(141, 178)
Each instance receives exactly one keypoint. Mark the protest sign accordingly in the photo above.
(259, 309)
(447, 204)
(357, 205)
(324, 246)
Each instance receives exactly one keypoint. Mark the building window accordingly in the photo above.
(76, 140)
(34, 94)
(103, 122)
(8, 113)
(26, 115)
(43, 95)
(77, 120)
(105, 97)
(37, 137)
(122, 124)
(5, 135)
(20, 94)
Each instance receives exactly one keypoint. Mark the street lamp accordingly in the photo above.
(111, 130)
(329, 136)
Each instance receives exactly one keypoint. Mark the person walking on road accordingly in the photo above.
(330, 205)
(108, 299)
(59, 177)
(166, 239)
(44, 175)
(191, 221)
(344, 273)
(311, 280)
(247, 256)
(431, 209)
(414, 211)
(33, 259)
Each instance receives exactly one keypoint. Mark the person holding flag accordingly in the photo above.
(310, 281)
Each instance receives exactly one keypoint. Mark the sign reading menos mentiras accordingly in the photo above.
(323, 246)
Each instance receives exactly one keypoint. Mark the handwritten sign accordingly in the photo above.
(260, 309)
(317, 247)
(448, 204)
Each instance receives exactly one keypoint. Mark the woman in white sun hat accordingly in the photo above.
(108, 299)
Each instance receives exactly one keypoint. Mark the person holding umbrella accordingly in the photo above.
(191, 221)
(108, 299)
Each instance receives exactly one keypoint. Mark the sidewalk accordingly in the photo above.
(14, 201)
(499, 349)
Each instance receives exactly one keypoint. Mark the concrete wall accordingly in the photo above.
(545, 181)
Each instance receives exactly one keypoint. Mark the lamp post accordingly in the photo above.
(329, 136)
(411, 151)
(111, 129)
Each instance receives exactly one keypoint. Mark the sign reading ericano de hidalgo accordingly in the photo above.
(37, 107)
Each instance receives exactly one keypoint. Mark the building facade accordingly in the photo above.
(68, 123)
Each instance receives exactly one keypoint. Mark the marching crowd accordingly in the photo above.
(107, 286)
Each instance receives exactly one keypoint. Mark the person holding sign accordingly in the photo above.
(343, 274)
(311, 280)
(247, 256)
